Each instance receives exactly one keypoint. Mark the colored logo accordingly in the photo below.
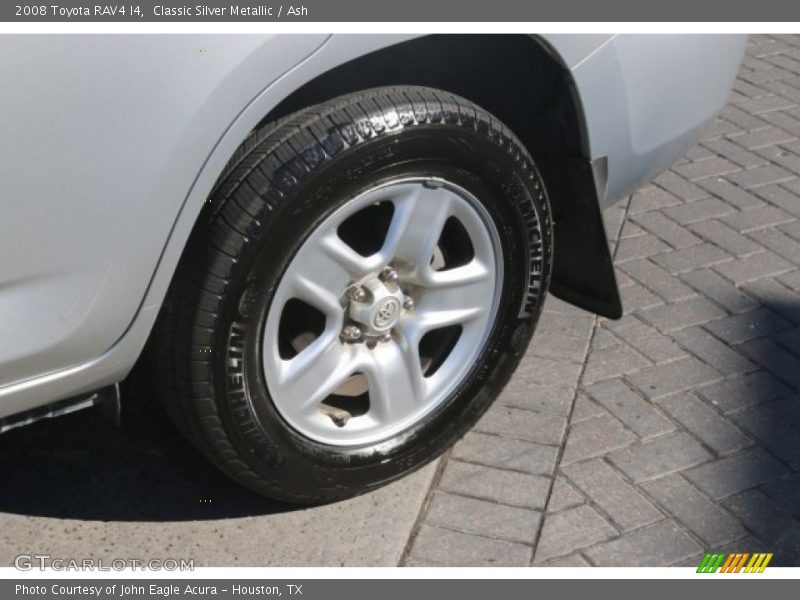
(736, 562)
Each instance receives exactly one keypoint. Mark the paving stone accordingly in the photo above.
(705, 423)
(506, 453)
(661, 544)
(564, 495)
(613, 219)
(659, 457)
(734, 195)
(489, 519)
(764, 104)
(586, 408)
(522, 392)
(452, 548)
(696, 153)
(572, 325)
(666, 229)
(756, 323)
(551, 345)
(630, 408)
(557, 306)
(756, 266)
(647, 340)
(675, 184)
(792, 229)
(613, 362)
(765, 47)
(572, 560)
(736, 472)
(781, 197)
(663, 380)
(719, 290)
(542, 428)
(775, 359)
(548, 371)
(783, 120)
(595, 437)
(712, 351)
(789, 340)
(726, 238)
(740, 392)
(617, 498)
(786, 494)
(692, 258)
(707, 208)
(750, 178)
(721, 128)
(658, 280)
(772, 425)
(763, 137)
(778, 242)
(495, 485)
(569, 530)
(777, 296)
(757, 218)
(759, 514)
(706, 168)
(779, 155)
(791, 280)
(640, 246)
(694, 311)
(631, 230)
(695, 510)
(603, 338)
(651, 198)
(635, 297)
(785, 62)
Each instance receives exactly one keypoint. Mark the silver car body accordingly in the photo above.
(110, 145)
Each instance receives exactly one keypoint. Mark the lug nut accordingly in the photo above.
(389, 275)
(357, 293)
(340, 418)
(351, 333)
(408, 303)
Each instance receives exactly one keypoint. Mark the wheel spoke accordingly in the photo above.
(415, 229)
(306, 289)
(454, 297)
(396, 385)
(315, 373)
(321, 271)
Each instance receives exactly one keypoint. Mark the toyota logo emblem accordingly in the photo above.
(386, 313)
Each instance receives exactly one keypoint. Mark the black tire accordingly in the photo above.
(283, 180)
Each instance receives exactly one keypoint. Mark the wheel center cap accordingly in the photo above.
(378, 305)
(386, 314)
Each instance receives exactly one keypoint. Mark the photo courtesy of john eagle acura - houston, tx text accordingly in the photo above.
(330, 252)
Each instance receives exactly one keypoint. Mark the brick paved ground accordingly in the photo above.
(648, 440)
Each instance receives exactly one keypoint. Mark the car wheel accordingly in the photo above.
(360, 287)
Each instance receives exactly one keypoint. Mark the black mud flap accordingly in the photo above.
(583, 270)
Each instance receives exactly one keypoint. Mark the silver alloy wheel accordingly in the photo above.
(354, 373)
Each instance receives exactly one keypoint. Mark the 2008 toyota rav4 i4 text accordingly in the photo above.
(335, 248)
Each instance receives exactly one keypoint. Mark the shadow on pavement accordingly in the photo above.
(81, 466)
(766, 406)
